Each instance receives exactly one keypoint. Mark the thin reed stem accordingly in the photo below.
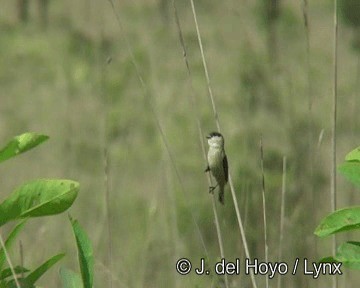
(172, 218)
(201, 134)
(147, 99)
(22, 261)
(9, 262)
(311, 146)
(282, 217)
(108, 210)
(264, 208)
(334, 115)
(106, 163)
(216, 116)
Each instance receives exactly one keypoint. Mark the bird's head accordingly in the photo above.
(215, 139)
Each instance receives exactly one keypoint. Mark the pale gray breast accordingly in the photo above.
(215, 158)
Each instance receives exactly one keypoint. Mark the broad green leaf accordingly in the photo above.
(354, 155)
(38, 272)
(349, 254)
(341, 220)
(20, 144)
(10, 240)
(39, 198)
(85, 254)
(351, 170)
(7, 272)
(70, 279)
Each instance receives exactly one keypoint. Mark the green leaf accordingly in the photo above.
(349, 254)
(341, 220)
(39, 198)
(351, 170)
(20, 144)
(10, 240)
(7, 272)
(12, 284)
(70, 279)
(38, 272)
(85, 254)
(328, 259)
(354, 155)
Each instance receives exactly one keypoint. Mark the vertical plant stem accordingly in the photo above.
(282, 217)
(334, 115)
(264, 208)
(310, 98)
(311, 147)
(216, 116)
(107, 180)
(308, 63)
(106, 159)
(194, 106)
(22, 262)
(108, 211)
(238, 216)
(147, 96)
(9, 262)
(173, 218)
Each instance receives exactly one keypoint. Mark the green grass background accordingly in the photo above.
(57, 81)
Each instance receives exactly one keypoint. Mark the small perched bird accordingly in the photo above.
(218, 164)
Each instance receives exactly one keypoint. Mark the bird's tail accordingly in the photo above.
(221, 195)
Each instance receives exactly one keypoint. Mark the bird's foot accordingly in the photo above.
(211, 189)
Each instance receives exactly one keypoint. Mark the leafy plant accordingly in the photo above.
(346, 219)
(86, 261)
(38, 198)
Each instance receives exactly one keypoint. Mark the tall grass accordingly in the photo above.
(155, 115)
(227, 45)
(217, 121)
(195, 112)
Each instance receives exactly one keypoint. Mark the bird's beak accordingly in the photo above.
(208, 137)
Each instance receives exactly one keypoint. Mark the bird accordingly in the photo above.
(217, 163)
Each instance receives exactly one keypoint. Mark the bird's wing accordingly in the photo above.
(226, 168)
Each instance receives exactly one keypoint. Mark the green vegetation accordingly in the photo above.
(345, 219)
(75, 80)
(38, 198)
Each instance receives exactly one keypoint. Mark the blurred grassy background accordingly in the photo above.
(73, 79)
